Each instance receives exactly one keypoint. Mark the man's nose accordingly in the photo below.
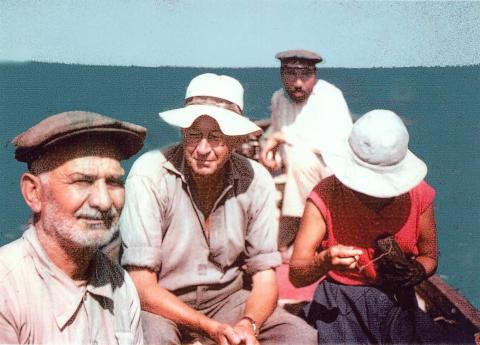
(99, 197)
(204, 147)
(298, 82)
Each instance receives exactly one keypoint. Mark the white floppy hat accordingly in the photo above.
(375, 159)
(218, 86)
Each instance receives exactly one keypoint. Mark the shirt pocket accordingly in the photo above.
(124, 338)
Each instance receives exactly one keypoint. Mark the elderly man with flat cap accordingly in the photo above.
(309, 116)
(56, 287)
(198, 220)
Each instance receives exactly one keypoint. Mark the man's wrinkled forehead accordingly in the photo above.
(94, 167)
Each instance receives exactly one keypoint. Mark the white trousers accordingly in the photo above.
(304, 170)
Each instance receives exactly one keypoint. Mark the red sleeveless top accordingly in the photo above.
(351, 223)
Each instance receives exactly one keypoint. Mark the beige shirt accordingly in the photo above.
(163, 229)
(40, 304)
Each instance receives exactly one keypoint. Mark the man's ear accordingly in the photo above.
(31, 189)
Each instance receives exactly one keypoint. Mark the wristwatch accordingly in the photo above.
(253, 323)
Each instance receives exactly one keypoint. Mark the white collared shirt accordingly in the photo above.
(39, 303)
(320, 123)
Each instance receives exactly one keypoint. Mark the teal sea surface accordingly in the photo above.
(440, 105)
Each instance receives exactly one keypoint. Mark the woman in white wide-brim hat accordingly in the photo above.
(369, 233)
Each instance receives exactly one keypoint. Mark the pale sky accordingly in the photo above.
(248, 33)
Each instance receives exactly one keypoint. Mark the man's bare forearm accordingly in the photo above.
(160, 301)
(264, 296)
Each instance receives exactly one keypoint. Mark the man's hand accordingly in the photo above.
(267, 155)
(223, 334)
(245, 330)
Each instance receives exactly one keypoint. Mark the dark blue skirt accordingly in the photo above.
(367, 315)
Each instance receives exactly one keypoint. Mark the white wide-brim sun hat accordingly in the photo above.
(230, 123)
(375, 160)
(220, 87)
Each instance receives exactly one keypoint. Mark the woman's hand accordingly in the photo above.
(339, 258)
(395, 269)
(307, 265)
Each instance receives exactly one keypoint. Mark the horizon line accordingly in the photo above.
(12, 62)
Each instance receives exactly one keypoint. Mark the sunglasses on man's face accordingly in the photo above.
(214, 138)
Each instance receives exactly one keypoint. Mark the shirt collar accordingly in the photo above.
(65, 295)
(175, 161)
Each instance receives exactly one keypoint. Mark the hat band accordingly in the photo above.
(377, 167)
(215, 101)
(285, 66)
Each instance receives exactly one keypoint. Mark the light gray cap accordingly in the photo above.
(299, 58)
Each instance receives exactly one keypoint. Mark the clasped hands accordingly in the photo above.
(240, 333)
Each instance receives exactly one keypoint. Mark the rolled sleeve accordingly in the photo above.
(141, 257)
(262, 262)
(262, 233)
(141, 223)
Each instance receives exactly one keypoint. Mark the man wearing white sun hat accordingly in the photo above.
(198, 219)
(375, 224)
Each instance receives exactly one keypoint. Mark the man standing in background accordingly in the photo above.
(309, 115)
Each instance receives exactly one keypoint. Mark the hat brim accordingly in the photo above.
(129, 142)
(230, 123)
(376, 181)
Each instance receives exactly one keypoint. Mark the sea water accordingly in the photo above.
(440, 106)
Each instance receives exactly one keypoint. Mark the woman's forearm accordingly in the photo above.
(306, 272)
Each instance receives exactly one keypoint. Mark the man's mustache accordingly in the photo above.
(94, 214)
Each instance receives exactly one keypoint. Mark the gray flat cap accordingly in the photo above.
(298, 58)
(73, 124)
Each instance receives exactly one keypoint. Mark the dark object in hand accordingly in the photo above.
(394, 268)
